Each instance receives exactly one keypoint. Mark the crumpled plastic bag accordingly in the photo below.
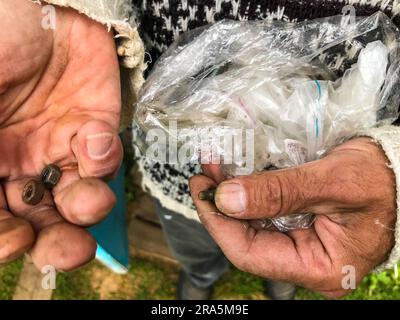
(297, 89)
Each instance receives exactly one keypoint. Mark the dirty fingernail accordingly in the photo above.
(99, 144)
(230, 198)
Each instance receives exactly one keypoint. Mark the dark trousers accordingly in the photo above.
(193, 247)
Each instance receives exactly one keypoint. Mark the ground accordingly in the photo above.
(154, 280)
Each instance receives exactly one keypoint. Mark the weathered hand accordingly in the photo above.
(352, 193)
(59, 103)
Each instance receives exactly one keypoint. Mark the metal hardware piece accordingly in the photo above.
(50, 176)
(207, 195)
(33, 192)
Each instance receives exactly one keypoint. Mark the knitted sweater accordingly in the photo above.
(161, 22)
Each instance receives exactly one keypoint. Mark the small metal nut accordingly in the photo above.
(50, 176)
(207, 195)
(33, 192)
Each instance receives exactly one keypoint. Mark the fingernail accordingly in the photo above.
(230, 198)
(99, 144)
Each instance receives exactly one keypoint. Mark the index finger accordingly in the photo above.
(214, 172)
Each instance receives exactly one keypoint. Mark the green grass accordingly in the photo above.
(9, 275)
(75, 285)
(239, 285)
(144, 280)
(154, 280)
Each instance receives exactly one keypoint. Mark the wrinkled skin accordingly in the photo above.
(352, 193)
(59, 103)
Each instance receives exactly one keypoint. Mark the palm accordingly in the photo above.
(58, 88)
(73, 78)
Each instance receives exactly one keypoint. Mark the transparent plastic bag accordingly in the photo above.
(296, 89)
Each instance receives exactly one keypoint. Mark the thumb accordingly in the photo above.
(98, 149)
(272, 193)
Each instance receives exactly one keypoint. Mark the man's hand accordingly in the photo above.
(59, 103)
(352, 193)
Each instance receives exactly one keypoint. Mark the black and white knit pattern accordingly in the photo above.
(162, 21)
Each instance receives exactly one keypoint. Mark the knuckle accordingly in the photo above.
(100, 171)
(359, 178)
(330, 282)
(278, 194)
(268, 195)
(320, 274)
(346, 178)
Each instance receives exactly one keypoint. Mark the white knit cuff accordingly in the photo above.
(389, 139)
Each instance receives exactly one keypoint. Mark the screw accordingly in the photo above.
(50, 176)
(207, 195)
(33, 192)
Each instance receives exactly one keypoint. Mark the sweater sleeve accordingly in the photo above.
(389, 139)
(117, 14)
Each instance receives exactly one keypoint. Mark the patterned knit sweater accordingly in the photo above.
(162, 21)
